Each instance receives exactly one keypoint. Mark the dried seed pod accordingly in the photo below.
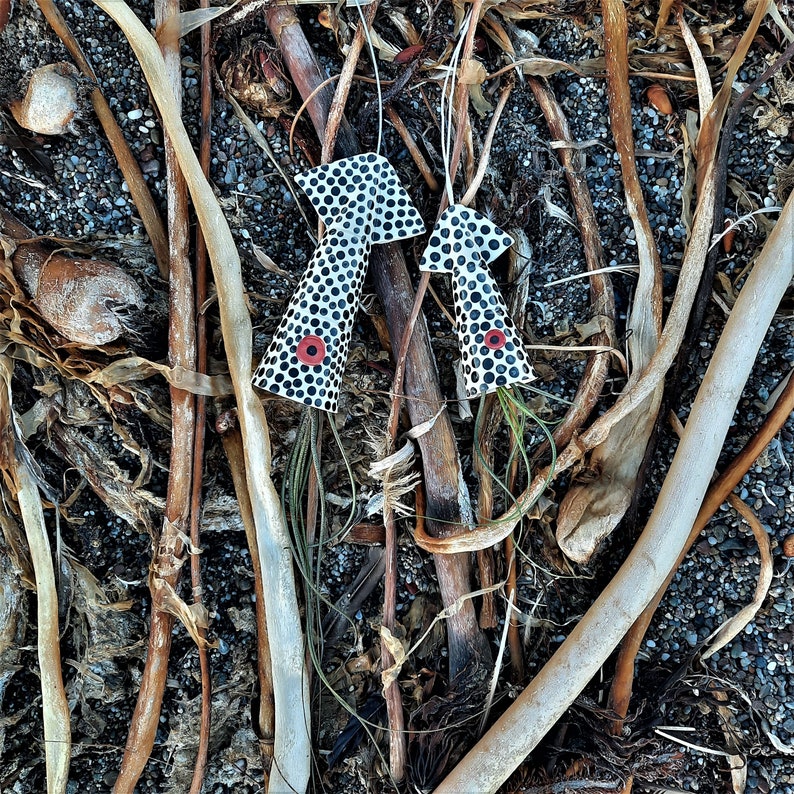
(253, 75)
(51, 104)
(409, 53)
(658, 99)
(85, 300)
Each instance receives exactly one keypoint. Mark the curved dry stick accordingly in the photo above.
(127, 163)
(292, 751)
(588, 646)
(622, 683)
(602, 298)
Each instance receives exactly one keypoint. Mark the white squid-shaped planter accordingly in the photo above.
(362, 203)
(463, 243)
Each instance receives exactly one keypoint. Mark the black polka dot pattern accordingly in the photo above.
(460, 234)
(361, 202)
(331, 188)
(463, 242)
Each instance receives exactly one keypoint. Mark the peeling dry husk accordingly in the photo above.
(590, 511)
(292, 751)
(82, 299)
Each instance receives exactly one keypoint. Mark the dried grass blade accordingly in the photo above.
(539, 706)
(292, 751)
(725, 633)
(57, 731)
(705, 93)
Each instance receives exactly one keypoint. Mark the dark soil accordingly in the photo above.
(74, 191)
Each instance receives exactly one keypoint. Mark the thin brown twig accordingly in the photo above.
(233, 447)
(168, 558)
(410, 144)
(337, 110)
(482, 462)
(127, 164)
(200, 291)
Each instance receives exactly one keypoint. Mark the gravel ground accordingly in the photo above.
(84, 197)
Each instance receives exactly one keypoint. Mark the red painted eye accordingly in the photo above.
(494, 339)
(311, 350)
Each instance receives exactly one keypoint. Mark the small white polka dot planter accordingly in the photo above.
(361, 202)
(463, 242)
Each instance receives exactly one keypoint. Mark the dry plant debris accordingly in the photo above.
(342, 635)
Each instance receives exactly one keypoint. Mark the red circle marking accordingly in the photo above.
(311, 350)
(494, 339)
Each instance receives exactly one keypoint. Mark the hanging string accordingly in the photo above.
(373, 58)
(446, 120)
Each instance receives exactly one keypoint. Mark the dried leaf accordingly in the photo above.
(135, 368)
(554, 210)
(193, 617)
(471, 72)
(424, 427)
(731, 628)
(397, 651)
(269, 265)
(545, 67)
(665, 6)
(593, 508)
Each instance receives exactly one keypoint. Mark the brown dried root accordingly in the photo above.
(292, 750)
(591, 510)
(169, 552)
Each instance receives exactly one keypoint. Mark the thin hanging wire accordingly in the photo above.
(447, 90)
(374, 60)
